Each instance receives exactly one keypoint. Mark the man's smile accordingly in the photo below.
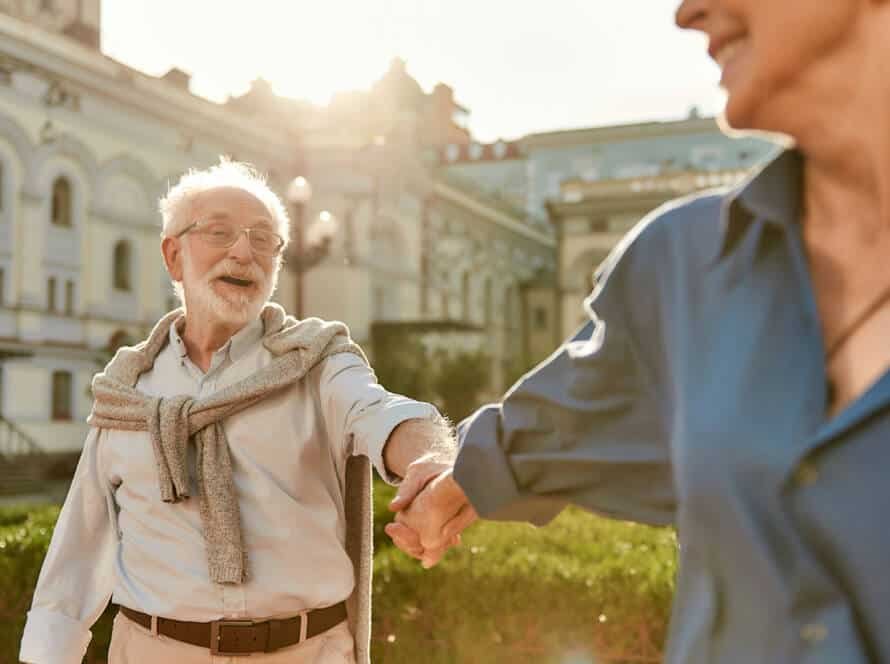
(243, 283)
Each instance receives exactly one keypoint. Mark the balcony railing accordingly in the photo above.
(15, 442)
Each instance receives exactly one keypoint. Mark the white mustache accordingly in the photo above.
(253, 273)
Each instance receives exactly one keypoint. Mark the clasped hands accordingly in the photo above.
(431, 511)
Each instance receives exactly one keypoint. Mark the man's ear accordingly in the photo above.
(172, 253)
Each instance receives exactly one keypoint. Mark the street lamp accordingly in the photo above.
(310, 241)
(298, 194)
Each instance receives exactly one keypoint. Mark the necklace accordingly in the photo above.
(857, 322)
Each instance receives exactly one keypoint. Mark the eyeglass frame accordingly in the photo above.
(247, 230)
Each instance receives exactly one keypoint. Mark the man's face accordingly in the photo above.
(227, 284)
(777, 56)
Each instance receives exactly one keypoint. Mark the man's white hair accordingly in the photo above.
(176, 206)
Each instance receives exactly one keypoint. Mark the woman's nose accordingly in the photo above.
(691, 13)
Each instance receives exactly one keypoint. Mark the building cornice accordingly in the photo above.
(57, 56)
(644, 130)
(499, 218)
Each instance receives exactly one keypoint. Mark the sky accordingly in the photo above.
(519, 66)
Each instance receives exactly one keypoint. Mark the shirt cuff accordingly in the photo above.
(483, 472)
(388, 419)
(51, 637)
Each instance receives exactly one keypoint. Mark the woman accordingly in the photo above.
(734, 377)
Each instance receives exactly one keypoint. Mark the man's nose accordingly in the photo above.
(241, 250)
(691, 14)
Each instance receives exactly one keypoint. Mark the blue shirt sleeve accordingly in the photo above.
(583, 427)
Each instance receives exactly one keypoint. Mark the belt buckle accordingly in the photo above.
(216, 635)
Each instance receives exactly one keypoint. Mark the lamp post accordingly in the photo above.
(298, 194)
(310, 241)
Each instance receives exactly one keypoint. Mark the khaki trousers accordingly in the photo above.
(133, 644)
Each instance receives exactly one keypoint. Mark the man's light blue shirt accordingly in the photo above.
(696, 396)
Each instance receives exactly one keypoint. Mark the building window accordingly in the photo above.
(61, 398)
(465, 296)
(121, 277)
(540, 318)
(69, 298)
(61, 206)
(509, 323)
(488, 303)
(379, 303)
(599, 225)
(51, 294)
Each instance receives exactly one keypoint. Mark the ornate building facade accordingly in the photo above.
(591, 186)
(494, 244)
(87, 146)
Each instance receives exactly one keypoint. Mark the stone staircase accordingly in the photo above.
(24, 466)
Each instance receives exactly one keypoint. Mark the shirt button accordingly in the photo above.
(814, 633)
(806, 474)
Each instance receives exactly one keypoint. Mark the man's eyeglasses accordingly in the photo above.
(223, 234)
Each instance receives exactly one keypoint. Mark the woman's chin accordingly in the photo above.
(747, 112)
(738, 114)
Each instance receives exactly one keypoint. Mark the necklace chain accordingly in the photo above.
(845, 335)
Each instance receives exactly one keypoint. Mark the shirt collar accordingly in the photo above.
(237, 345)
(245, 339)
(770, 195)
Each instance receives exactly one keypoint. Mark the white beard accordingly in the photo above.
(199, 297)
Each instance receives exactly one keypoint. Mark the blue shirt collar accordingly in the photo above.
(770, 195)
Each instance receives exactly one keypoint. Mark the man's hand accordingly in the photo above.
(432, 512)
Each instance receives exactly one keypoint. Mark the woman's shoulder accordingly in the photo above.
(697, 216)
(685, 231)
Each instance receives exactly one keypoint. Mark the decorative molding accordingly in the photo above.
(13, 132)
(64, 146)
(459, 198)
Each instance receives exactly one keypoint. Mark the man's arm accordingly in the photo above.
(418, 441)
(362, 417)
(408, 441)
(423, 453)
(77, 576)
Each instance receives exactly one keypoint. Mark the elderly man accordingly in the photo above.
(212, 500)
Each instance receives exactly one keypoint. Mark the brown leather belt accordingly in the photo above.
(242, 637)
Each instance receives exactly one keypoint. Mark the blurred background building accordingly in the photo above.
(407, 225)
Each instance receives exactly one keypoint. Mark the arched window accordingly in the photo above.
(61, 397)
(61, 204)
(121, 277)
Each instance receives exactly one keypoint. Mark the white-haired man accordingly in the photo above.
(212, 500)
